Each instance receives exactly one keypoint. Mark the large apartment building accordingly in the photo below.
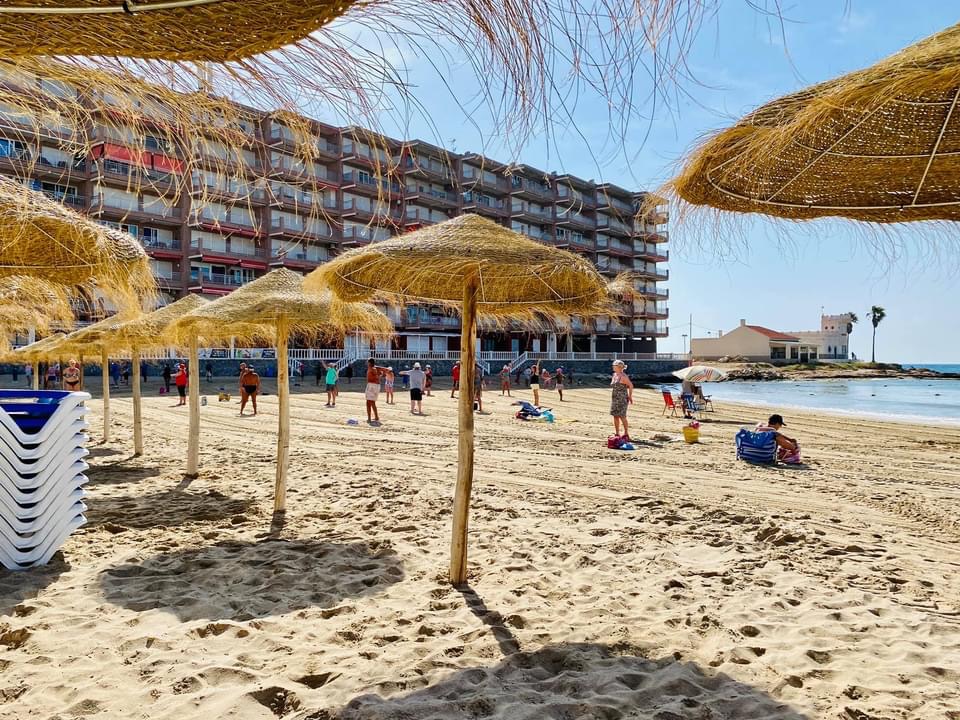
(272, 209)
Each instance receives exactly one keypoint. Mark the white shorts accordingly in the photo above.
(372, 392)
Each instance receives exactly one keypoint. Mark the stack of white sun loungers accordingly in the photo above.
(42, 469)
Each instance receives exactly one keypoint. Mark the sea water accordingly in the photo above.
(899, 399)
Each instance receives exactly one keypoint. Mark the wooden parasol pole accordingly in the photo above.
(461, 497)
(137, 416)
(36, 375)
(283, 432)
(193, 382)
(105, 382)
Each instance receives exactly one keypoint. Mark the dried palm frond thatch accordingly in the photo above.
(481, 268)
(41, 238)
(270, 308)
(877, 145)
(42, 349)
(531, 59)
(31, 303)
(519, 280)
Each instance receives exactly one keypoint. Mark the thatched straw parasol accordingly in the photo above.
(92, 337)
(185, 30)
(879, 145)
(35, 352)
(138, 334)
(484, 270)
(41, 238)
(28, 303)
(270, 308)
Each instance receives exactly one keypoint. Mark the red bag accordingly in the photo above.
(614, 442)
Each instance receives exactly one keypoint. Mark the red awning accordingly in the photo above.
(148, 160)
(253, 264)
(219, 259)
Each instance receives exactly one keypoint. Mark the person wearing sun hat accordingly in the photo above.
(622, 397)
(418, 380)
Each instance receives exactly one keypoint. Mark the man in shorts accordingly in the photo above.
(456, 379)
(418, 380)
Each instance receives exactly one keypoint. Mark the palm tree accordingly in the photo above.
(876, 315)
(853, 317)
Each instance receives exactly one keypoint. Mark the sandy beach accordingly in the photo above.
(668, 582)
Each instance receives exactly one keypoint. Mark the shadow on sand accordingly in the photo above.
(240, 581)
(18, 586)
(582, 681)
(168, 508)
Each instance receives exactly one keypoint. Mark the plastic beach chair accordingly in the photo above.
(669, 404)
(690, 405)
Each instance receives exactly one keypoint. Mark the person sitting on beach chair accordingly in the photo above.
(788, 449)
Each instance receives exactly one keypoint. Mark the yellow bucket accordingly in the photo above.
(691, 435)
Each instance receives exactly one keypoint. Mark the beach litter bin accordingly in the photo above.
(691, 433)
(42, 466)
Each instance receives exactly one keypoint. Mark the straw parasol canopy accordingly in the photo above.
(518, 277)
(185, 30)
(270, 308)
(484, 270)
(43, 239)
(37, 351)
(881, 145)
(31, 303)
(137, 334)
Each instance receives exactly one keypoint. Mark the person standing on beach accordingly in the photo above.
(115, 374)
(348, 373)
(535, 384)
(166, 377)
(71, 376)
(388, 381)
(321, 367)
(372, 391)
(331, 383)
(558, 377)
(250, 384)
(418, 380)
(28, 371)
(144, 369)
(527, 373)
(622, 396)
(181, 380)
(505, 381)
(208, 371)
(456, 379)
(428, 385)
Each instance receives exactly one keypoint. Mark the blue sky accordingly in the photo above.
(781, 274)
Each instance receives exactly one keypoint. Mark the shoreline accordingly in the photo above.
(828, 371)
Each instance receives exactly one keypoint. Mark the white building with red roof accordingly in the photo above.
(755, 343)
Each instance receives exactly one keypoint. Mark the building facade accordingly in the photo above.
(212, 230)
(754, 343)
(833, 337)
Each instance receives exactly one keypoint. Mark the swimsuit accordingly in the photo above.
(250, 389)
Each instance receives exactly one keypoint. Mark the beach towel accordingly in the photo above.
(756, 447)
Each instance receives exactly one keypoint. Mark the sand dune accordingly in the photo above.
(668, 582)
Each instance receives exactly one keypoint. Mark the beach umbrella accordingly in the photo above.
(145, 332)
(36, 352)
(485, 271)
(93, 337)
(700, 373)
(41, 238)
(28, 303)
(880, 145)
(271, 308)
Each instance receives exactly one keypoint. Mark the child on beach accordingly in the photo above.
(505, 381)
(558, 376)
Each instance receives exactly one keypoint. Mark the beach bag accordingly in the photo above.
(756, 447)
(615, 442)
(789, 457)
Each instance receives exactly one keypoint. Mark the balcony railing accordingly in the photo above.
(156, 209)
(353, 177)
(470, 176)
(425, 165)
(519, 184)
(607, 222)
(229, 248)
(75, 201)
(167, 278)
(218, 279)
(365, 234)
(575, 197)
(172, 244)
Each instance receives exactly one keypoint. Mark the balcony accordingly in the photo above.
(606, 202)
(419, 216)
(486, 206)
(430, 196)
(650, 253)
(575, 242)
(361, 180)
(288, 167)
(650, 328)
(483, 180)
(284, 227)
(523, 211)
(652, 274)
(283, 137)
(652, 292)
(161, 248)
(426, 167)
(661, 236)
(610, 224)
(359, 152)
(167, 279)
(423, 318)
(152, 212)
(356, 234)
(522, 187)
(77, 202)
(574, 219)
(208, 189)
(299, 257)
(381, 214)
(575, 198)
(216, 280)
